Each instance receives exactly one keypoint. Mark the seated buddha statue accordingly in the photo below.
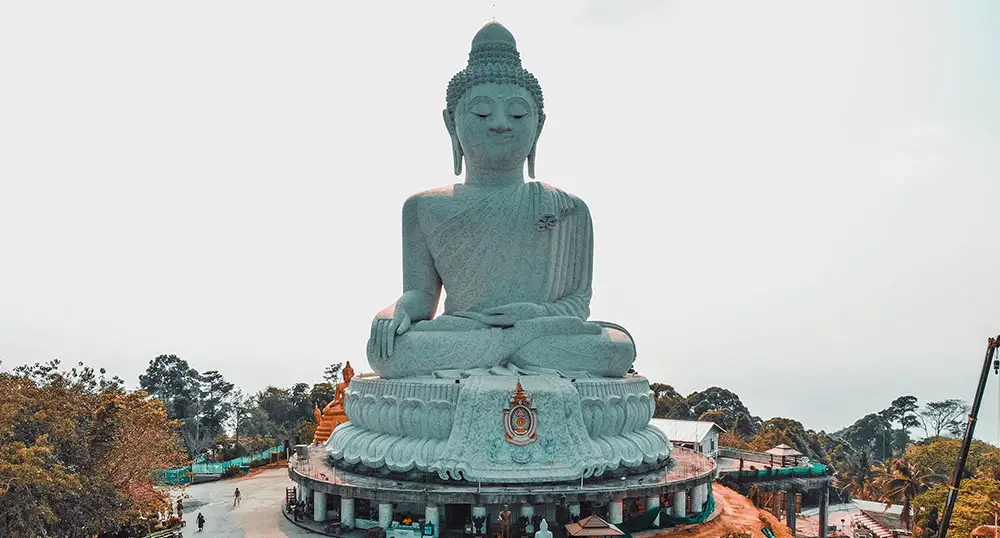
(333, 414)
(514, 257)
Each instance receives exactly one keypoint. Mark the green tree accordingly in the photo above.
(332, 373)
(872, 433)
(78, 453)
(944, 418)
(973, 507)
(902, 483)
(322, 394)
(170, 379)
(856, 476)
(669, 403)
(203, 403)
(939, 456)
(903, 410)
(725, 408)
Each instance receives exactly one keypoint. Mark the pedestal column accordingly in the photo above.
(824, 506)
(319, 506)
(615, 515)
(679, 506)
(347, 511)
(696, 502)
(304, 493)
(433, 516)
(527, 511)
(651, 503)
(478, 511)
(790, 510)
(384, 515)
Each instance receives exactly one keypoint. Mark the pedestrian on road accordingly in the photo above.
(236, 497)
(201, 522)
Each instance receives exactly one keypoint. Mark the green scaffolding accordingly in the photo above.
(182, 476)
(812, 470)
(645, 520)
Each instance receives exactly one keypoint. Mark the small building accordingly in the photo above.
(785, 456)
(696, 435)
(593, 526)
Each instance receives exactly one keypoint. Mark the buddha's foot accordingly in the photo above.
(563, 346)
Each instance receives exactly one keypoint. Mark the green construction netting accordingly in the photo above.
(174, 477)
(813, 469)
(182, 476)
(219, 467)
(644, 521)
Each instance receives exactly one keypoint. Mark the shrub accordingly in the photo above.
(233, 472)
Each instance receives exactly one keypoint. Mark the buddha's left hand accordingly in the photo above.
(506, 315)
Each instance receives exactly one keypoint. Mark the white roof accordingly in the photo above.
(684, 431)
(895, 509)
(783, 450)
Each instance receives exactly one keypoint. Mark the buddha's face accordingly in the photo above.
(496, 125)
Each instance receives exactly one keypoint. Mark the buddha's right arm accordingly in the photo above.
(421, 282)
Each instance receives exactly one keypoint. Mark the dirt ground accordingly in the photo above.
(737, 514)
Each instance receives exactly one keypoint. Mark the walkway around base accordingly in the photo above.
(319, 528)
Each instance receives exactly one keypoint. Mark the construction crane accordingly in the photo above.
(991, 352)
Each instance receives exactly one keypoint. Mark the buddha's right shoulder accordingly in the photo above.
(414, 200)
(441, 192)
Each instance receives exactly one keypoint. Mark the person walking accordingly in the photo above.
(201, 522)
(236, 497)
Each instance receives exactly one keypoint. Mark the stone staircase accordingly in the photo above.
(864, 520)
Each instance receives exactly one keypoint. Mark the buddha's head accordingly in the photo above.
(348, 372)
(494, 108)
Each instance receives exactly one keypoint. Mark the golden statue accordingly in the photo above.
(333, 414)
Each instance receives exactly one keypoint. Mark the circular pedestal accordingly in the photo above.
(483, 429)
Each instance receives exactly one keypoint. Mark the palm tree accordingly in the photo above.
(856, 476)
(902, 482)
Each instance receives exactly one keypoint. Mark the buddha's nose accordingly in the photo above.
(501, 125)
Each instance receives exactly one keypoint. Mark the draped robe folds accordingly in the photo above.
(526, 243)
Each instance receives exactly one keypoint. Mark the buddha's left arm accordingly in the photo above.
(581, 250)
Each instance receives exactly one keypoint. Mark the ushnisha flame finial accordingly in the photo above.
(493, 59)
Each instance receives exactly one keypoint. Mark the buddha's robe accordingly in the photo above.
(491, 247)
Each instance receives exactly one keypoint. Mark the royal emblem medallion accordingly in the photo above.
(520, 420)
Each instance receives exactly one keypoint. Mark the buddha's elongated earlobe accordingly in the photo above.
(456, 146)
(534, 147)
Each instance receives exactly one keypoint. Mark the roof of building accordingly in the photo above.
(593, 526)
(783, 450)
(877, 506)
(684, 431)
(990, 531)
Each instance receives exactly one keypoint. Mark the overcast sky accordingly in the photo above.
(798, 203)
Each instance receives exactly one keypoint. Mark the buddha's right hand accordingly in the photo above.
(389, 323)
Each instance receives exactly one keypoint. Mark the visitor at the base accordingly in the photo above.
(236, 497)
(201, 522)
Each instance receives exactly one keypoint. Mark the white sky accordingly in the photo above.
(795, 202)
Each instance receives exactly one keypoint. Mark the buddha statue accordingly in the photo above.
(333, 414)
(511, 383)
(513, 257)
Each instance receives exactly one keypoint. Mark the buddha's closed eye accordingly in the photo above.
(518, 110)
(481, 110)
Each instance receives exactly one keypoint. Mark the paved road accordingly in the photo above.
(257, 516)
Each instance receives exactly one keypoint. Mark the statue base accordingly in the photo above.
(500, 429)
